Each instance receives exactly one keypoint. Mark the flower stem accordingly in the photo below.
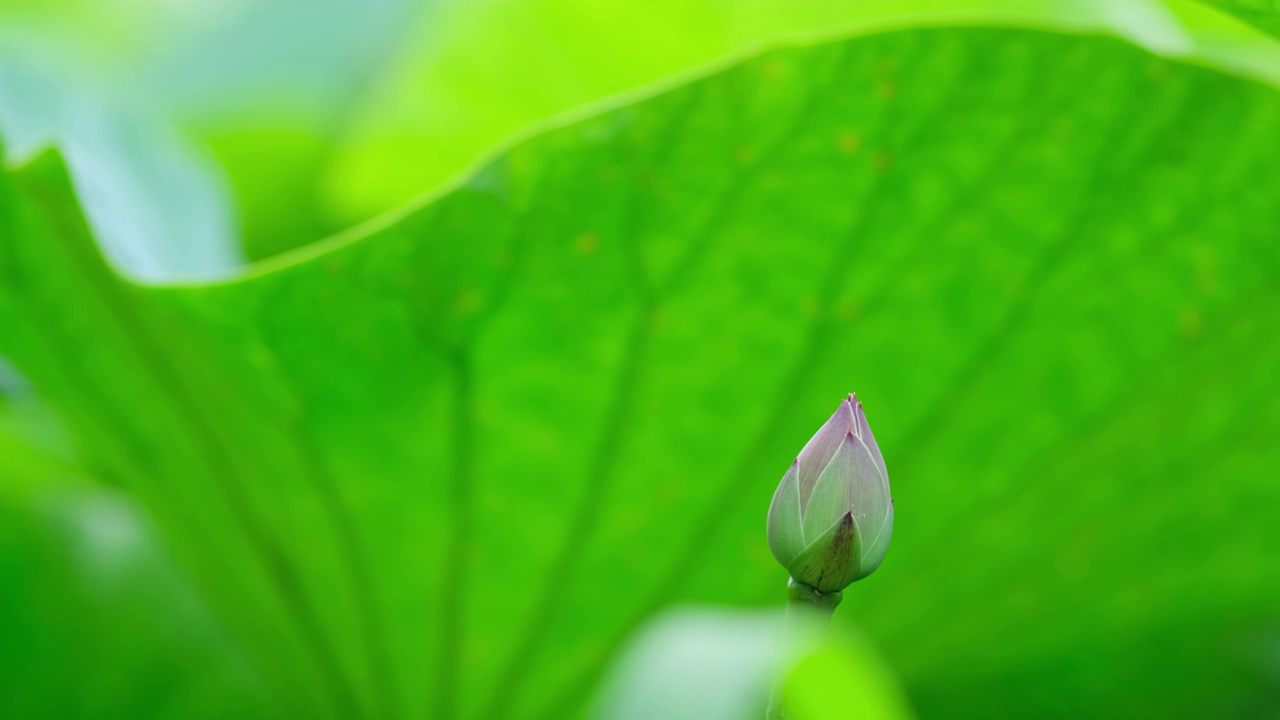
(804, 605)
(803, 599)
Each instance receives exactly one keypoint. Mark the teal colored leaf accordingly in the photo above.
(267, 89)
(446, 463)
(273, 87)
(158, 208)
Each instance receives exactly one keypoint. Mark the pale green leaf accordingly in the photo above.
(700, 664)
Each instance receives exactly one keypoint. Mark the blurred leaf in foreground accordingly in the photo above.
(698, 664)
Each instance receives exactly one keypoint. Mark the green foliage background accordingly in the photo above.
(447, 462)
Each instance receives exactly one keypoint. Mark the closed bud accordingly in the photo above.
(832, 516)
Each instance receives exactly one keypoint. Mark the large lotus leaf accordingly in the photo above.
(447, 462)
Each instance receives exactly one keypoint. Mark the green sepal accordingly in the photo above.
(831, 562)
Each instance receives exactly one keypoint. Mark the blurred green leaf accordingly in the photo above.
(107, 35)
(272, 87)
(697, 664)
(842, 679)
(473, 74)
(98, 623)
(267, 87)
(1264, 14)
(449, 461)
(97, 620)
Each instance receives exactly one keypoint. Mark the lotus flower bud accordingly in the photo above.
(832, 516)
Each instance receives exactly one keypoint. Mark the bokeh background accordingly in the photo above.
(439, 359)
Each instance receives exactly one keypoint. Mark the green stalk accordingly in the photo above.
(803, 599)
(805, 605)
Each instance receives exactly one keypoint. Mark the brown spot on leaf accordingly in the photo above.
(587, 243)
(1190, 323)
